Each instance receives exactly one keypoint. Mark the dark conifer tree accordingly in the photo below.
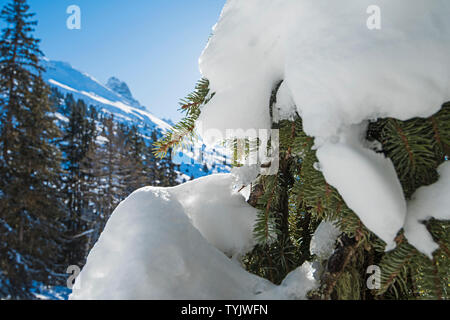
(30, 212)
(79, 134)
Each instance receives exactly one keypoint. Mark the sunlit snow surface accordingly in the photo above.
(63, 76)
(127, 110)
(174, 243)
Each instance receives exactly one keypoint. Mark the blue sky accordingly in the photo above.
(153, 45)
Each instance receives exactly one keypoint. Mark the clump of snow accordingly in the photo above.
(367, 181)
(428, 202)
(245, 175)
(157, 245)
(337, 73)
(323, 240)
(285, 103)
(82, 86)
(221, 215)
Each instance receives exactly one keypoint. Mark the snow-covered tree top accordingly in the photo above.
(342, 63)
(169, 243)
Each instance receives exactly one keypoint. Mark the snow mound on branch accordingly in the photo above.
(323, 240)
(151, 249)
(222, 216)
(338, 71)
(337, 74)
(428, 202)
(367, 181)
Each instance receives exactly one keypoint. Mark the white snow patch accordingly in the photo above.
(428, 202)
(151, 249)
(128, 109)
(295, 286)
(88, 87)
(336, 74)
(323, 240)
(59, 84)
(101, 140)
(60, 117)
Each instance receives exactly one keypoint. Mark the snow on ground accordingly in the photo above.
(427, 202)
(337, 74)
(169, 243)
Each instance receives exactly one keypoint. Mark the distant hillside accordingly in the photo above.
(116, 98)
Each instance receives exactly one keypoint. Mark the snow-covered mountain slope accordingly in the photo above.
(115, 98)
(112, 98)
